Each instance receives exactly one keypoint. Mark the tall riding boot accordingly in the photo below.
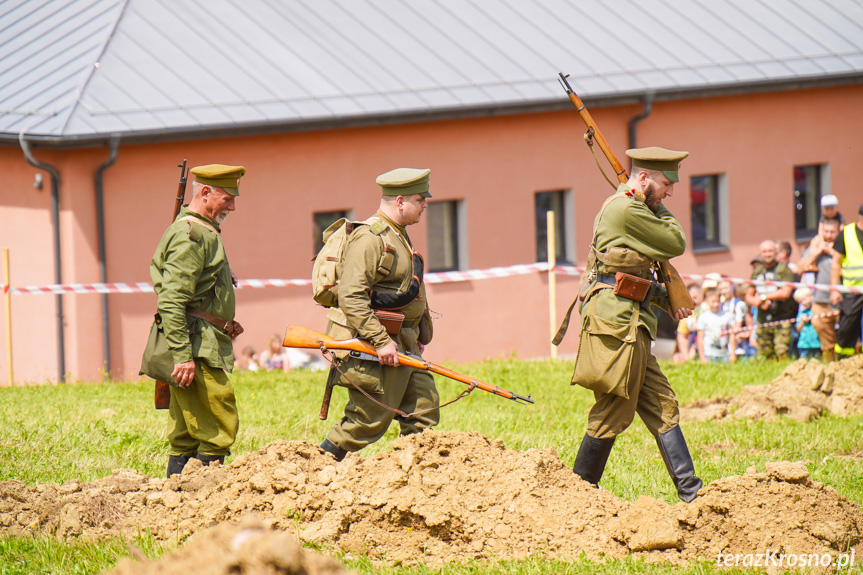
(176, 463)
(674, 452)
(206, 459)
(592, 457)
(333, 449)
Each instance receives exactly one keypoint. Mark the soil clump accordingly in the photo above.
(803, 392)
(441, 497)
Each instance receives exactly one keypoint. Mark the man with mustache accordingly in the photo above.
(195, 288)
(632, 232)
(382, 271)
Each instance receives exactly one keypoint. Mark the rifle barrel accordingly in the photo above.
(301, 337)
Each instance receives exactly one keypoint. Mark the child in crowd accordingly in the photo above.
(808, 344)
(716, 342)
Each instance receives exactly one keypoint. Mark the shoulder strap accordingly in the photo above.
(191, 219)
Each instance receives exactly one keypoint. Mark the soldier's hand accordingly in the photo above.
(234, 279)
(421, 347)
(184, 373)
(389, 354)
(682, 313)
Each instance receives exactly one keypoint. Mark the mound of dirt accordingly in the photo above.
(439, 497)
(251, 548)
(803, 392)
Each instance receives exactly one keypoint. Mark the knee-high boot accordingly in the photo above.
(675, 453)
(591, 459)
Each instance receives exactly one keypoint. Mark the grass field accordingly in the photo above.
(51, 434)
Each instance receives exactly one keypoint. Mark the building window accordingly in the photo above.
(559, 202)
(708, 198)
(810, 183)
(446, 245)
(321, 221)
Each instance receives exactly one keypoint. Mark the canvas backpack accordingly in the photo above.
(328, 263)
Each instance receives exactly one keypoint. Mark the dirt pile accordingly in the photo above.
(439, 497)
(251, 548)
(803, 392)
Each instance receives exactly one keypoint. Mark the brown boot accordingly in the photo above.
(828, 355)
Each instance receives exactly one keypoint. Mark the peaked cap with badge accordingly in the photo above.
(220, 176)
(405, 182)
(655, 158)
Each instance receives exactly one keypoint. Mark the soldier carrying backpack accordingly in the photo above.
(370, 278)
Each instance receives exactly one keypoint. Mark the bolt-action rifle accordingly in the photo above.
(678, 295)
(301, 337)
(162, 393)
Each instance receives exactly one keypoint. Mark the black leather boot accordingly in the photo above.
(176, 463)
(333, 449)
(592, 457)
(206, 459)
(674, 452)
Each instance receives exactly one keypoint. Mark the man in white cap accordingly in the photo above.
(830, 209)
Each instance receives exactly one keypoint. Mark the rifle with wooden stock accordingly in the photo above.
(678, 295)
(301, 337)
(162, 392)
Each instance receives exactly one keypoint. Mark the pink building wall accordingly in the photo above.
(495, 164)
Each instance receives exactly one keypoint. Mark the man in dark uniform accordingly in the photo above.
(848, 261)
(380, 264)
(195, 288)
(632, 231)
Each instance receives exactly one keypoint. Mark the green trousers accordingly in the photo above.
(401, 387)
(204, 415)
(650, 395)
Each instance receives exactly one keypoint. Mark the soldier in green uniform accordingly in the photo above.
(195, 288)
(381, 269)
(631, 232)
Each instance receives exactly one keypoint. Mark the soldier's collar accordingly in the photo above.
(185, 211)
(397, 227)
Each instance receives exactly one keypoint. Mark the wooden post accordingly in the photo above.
(7, 296)
(552, 284)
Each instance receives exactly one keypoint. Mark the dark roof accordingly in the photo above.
(78, 71)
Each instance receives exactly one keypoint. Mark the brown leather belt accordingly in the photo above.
(232, 328)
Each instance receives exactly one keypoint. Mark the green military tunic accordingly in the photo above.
(615, 359)
(190, 269)
(379, 257)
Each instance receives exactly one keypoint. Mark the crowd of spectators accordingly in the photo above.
(770, 321)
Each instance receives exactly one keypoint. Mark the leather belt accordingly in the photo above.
(606, 279)
(232, 328)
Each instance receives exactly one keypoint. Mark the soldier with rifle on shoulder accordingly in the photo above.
(195, 323)
(632, 232)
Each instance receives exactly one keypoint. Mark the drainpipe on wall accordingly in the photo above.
(648, 107)
(113, 144)
(58, 268)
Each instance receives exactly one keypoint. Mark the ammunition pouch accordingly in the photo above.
(391, 320)
(629, 286)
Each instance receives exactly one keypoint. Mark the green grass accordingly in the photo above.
(51, 434)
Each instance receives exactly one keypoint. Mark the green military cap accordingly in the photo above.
(220, 176)
(653, 158)
(405, 182)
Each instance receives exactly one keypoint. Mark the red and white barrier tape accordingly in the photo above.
(779, 322)
(577, 271)
(431, 278)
